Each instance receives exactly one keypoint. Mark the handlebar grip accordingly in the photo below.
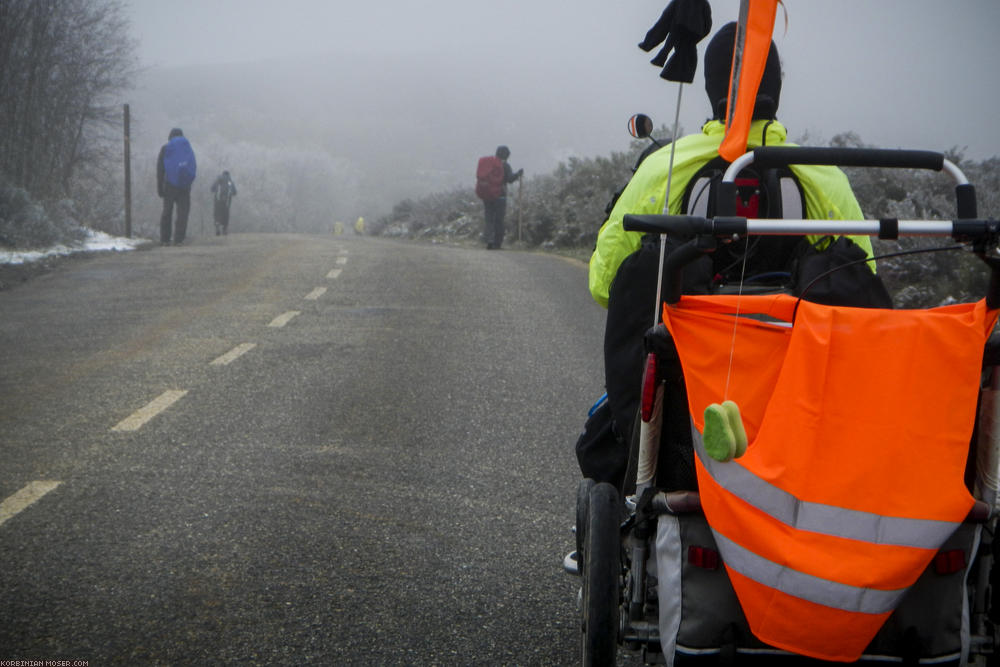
(685, 226)
(769, 157)
(681, 225)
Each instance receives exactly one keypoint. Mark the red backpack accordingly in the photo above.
(489, 178)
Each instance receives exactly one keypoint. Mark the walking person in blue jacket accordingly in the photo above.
(175, 171)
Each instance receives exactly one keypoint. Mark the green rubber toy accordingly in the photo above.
(724, 435)
(719, 439)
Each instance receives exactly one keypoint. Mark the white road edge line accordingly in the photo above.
(341, 260)
(334, 273)
(316, 293)
(135, 421)
(24, 498)
(233, 354)
(283, 319)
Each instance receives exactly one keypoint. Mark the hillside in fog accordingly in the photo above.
(377, 130)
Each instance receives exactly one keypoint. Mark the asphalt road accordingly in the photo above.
(282, 449)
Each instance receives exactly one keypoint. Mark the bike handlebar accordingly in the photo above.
(725, 227)
(770, 157)
(705, 233)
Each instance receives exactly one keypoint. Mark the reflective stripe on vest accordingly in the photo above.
(806, 586)
(819, 518)
(814, 517)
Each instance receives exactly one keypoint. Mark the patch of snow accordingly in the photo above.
(96, 241)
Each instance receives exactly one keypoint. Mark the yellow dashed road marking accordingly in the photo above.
(283, 319)
(144, 414)
(233, 354)
(24, 498)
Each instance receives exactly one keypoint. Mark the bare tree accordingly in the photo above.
(63, 65)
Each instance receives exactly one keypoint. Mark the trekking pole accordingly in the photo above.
(520, 187)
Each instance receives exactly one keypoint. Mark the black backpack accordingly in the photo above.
(760, 193)
(769, 193)
(835, 275)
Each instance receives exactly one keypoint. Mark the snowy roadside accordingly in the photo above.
(96, 241)
(18, 266)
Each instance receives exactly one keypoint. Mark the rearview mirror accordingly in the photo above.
(640, 126)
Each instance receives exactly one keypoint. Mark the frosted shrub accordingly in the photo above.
(25, 223)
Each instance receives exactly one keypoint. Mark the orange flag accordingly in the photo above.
(753, 40)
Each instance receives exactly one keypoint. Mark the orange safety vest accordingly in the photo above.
(859, 423)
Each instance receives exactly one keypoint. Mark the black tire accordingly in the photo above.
(602, 577)
(582, 517)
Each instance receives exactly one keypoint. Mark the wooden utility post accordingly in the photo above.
(128, 177)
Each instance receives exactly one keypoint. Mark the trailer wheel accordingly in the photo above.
(602, 577)
(582, 517)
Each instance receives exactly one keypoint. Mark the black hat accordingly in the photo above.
(176, 132)
(718, 66)
(503, 152)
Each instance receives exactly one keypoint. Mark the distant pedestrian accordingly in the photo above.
(175, 172)
(492, 176)
(224, 191)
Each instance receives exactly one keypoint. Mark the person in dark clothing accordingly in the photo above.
(224, 190)
(175, 171)
(624, 267)
(496, 209)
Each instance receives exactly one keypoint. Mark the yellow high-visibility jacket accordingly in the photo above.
(828, 195)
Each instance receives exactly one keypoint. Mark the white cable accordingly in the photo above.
(666, 209)
(736, 319)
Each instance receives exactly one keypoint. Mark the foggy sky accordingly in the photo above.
(916, 74)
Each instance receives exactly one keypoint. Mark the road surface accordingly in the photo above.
(284, 449)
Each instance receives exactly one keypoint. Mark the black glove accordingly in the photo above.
(520, 173)
(681, 26)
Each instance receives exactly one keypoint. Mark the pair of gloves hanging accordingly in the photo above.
(682, 25)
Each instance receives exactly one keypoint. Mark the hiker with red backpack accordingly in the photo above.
(492, 176)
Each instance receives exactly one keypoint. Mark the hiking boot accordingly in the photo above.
(571, 563)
